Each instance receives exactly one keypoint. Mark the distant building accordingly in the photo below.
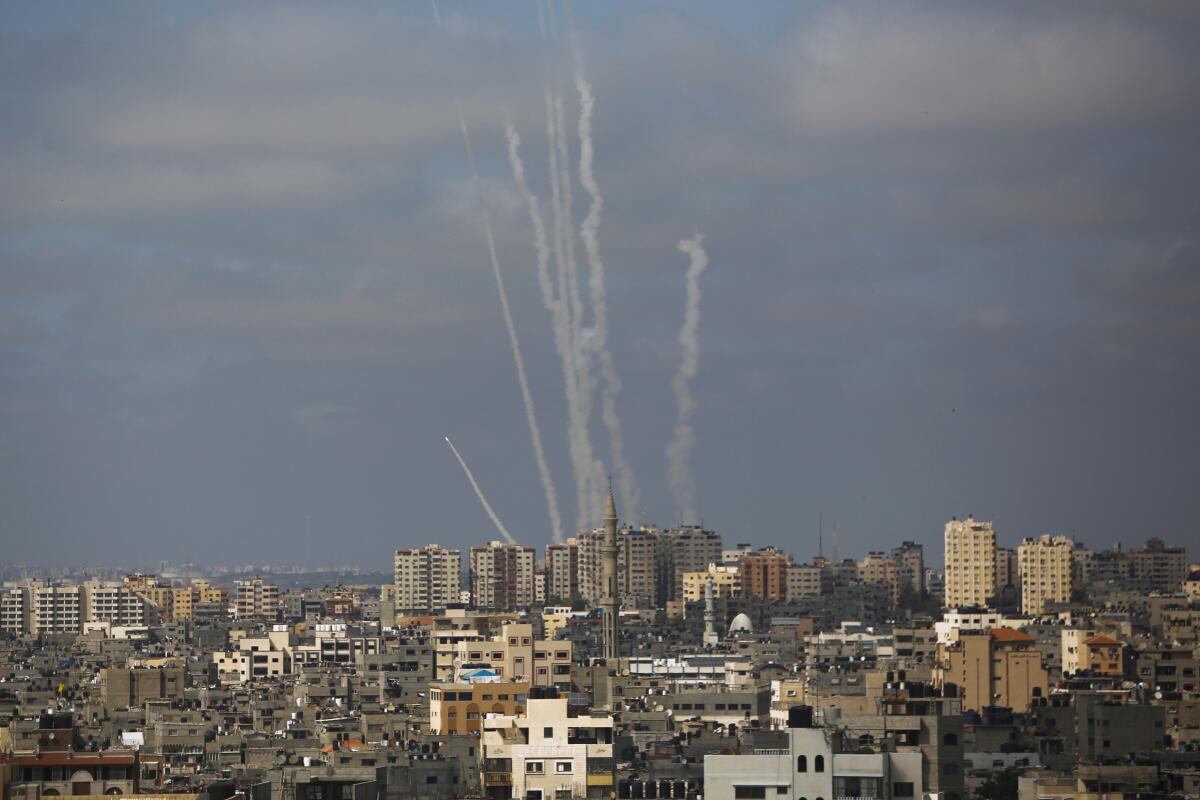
(683, 549)
(255, 599)
(764, 574)
(1045, 569)
(502, 575)
(1000, 667)
(909, 561)
(970, 576)
(427, 578)
(726, 580)
(804, 580)
(562, 570)
(460, 707)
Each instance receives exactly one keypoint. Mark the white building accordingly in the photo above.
(813, 767)
(549, 752)
(427, 578)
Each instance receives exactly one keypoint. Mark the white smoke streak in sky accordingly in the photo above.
(589, 474)
(626, 485)
(508, 537)
(679, 451)
(560, 323)
(530, 415)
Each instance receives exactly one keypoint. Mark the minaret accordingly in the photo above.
(609, 604)
(710, 616)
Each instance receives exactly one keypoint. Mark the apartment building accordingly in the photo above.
(502, 576)
(970, 576)
(255, 599)
(513, 655)
(1008, 569)
(427, 578)
(804, 580)
(684, 549)
(908, 562)
(877, 568)
(764, 574)
(1044, 564)
(550, 752)
(637, 567)
(1000, 667)
(726, 581)
(562, 570)
(460, 707)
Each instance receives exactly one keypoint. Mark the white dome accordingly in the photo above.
(741, 624)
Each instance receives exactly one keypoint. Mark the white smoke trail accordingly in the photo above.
(679, 451)
(626, 484)
(530, 415)
(508, 537)
(560, 323)
(589, 479)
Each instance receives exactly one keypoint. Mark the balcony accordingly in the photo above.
(497, 779)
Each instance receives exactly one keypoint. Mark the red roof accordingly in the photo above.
(1010, 635)
(1102, 640)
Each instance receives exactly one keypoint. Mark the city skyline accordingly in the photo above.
(247, 292)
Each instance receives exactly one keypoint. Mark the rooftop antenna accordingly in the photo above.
(820, 534)
(835, 542)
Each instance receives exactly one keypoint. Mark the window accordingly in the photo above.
(534, 767)
(950, 739)
(431, 778)
(802, 764)
(562, 767)
(819, 764)
(749, 792)
(548, 732)
(902, 789)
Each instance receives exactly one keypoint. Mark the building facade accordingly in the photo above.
(970, 573)
(502, 576)
(427, 578)
(1044, 564)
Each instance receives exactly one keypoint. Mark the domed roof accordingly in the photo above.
(741, 624)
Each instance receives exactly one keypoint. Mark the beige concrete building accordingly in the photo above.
(1000, 667)
(877, 568)
(548, 752)
(461, 707)
(1045, 569)
(683, 549)
(427, 578)
(637, 567)
(909, 565)
(502, 576)
(255, 599)
(804, 580)
(562, 570)
(514, 655)
(970, 577)
(727, 582)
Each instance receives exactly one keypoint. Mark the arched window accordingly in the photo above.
(819, 765)
(949, 738)
(802, 764)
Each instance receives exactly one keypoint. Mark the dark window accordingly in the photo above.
(750, 792)
(819, 764)
(950, 739)
(802, 764)
(902, 789)
(431, 778)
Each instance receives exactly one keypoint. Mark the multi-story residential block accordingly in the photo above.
(970, 576)
(1157, 567)
(764, 574)
(909, 565)
(15, 608)
(515, 654)
(255, 599)
(877, 568)
(684, 549)
(427, 578)
(549, 752)
(817, 763)
(804, 580)
(1008, 569)
(56, 609)
(1045, 569)
(112, 604)
(460, 707)
(726, 582)
(502, 576)
(637, 567)
(1000, 667)
(562, 570)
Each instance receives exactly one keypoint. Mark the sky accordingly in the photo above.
(954, 267)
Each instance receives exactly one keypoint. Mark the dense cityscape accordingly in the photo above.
(641, 662)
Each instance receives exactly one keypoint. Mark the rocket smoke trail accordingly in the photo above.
(479, 493)
(589, 474)
(679, 451)
(626, 484)
(556, 305)
(518, 359)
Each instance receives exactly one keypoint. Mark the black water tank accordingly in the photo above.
(800, 717)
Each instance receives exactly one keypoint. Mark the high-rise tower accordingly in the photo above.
(609, 604)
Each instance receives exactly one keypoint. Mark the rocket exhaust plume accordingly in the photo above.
(679, 451)
(526, 396)
(588, 477)
(555, 303)
(626, 484)
(479, 493)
